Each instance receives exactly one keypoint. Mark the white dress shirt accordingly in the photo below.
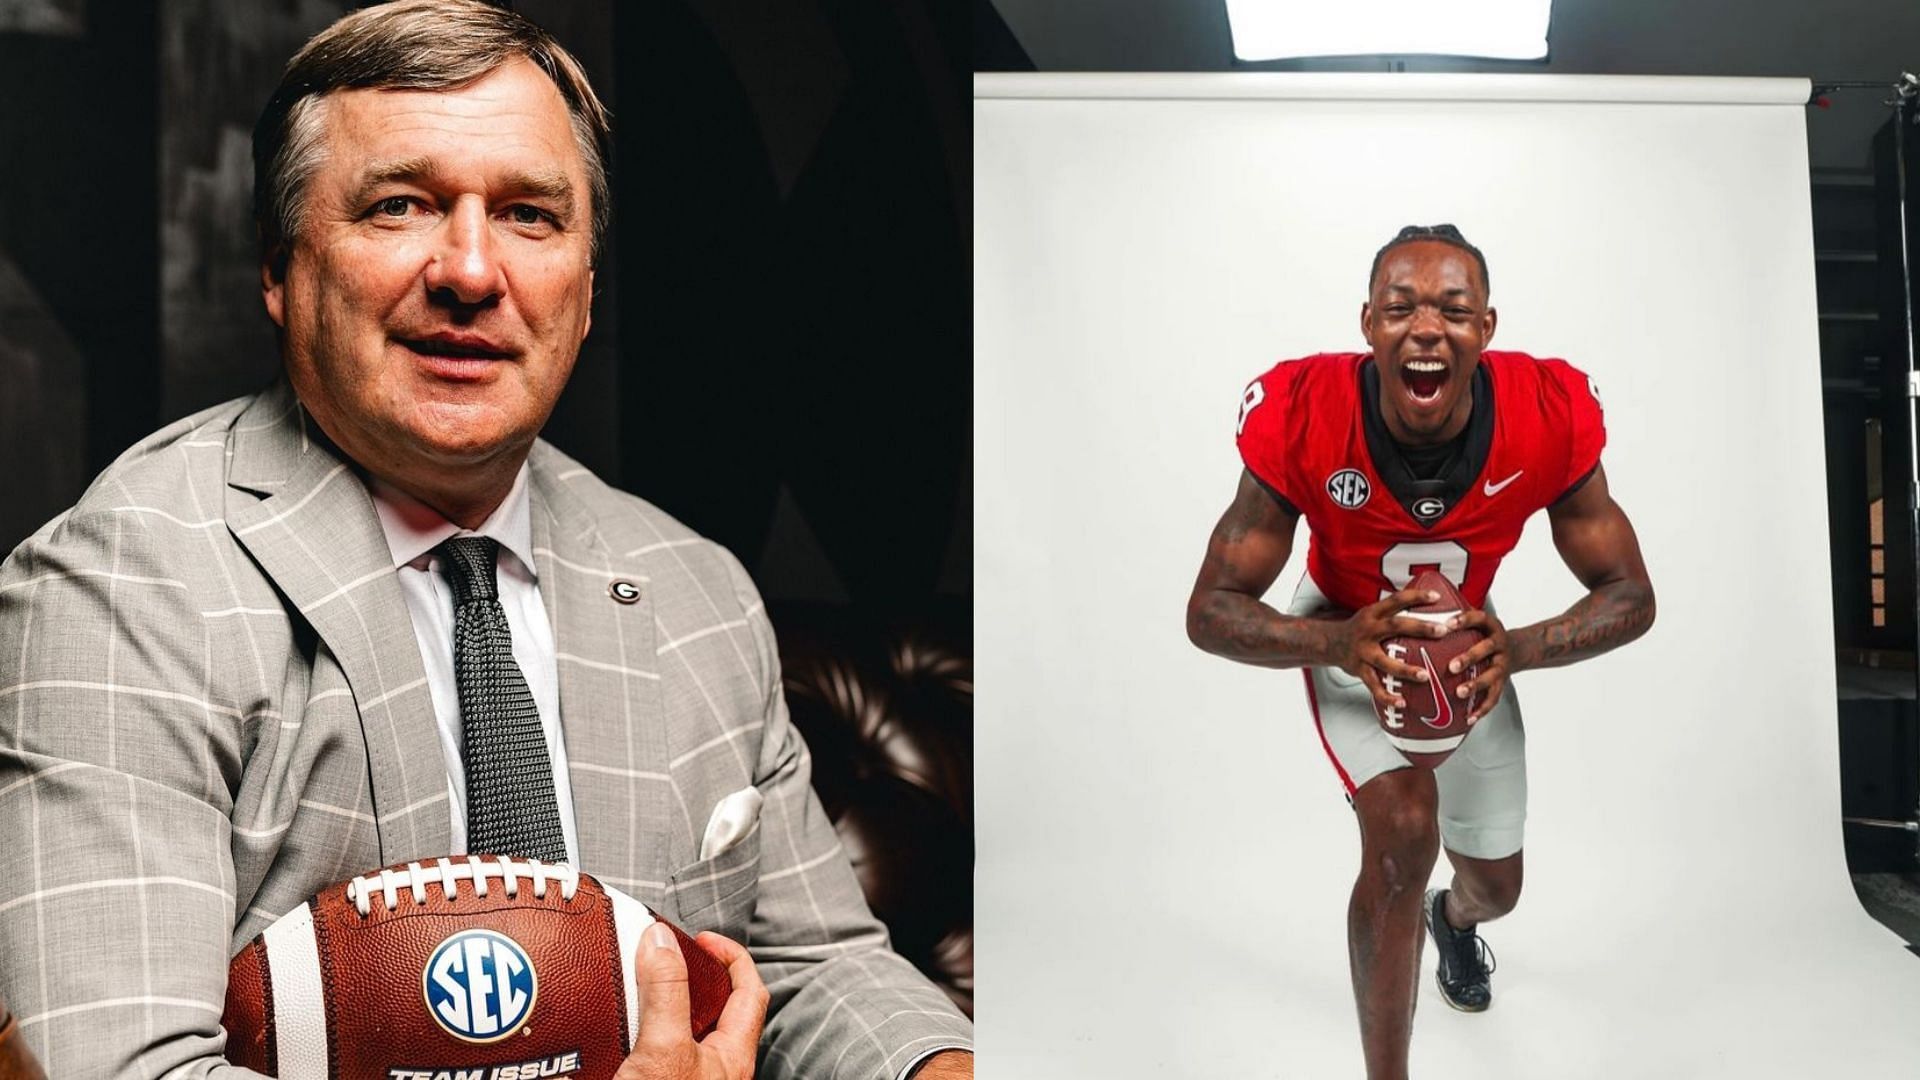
(413, 530)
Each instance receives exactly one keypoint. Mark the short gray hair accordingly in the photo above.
(407, 45)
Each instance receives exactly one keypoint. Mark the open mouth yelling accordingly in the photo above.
(1425, 379)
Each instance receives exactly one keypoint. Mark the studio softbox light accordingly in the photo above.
(1288, 29)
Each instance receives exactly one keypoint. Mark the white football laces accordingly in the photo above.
(448, 874)
(1436, 618)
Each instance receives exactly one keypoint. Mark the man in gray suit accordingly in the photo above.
(244, 665)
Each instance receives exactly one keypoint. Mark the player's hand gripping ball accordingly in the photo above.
(471, 966)
(1434, 723)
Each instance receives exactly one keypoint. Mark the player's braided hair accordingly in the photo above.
(1445, 234)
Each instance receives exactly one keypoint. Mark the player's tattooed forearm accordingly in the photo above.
(1604, 619)
(1238, 627)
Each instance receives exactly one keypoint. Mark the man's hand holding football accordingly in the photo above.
(665, 1049)
(1493, 656)
(1358, 651)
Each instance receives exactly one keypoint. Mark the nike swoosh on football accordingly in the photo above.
(1492, 488)
(1442, 708)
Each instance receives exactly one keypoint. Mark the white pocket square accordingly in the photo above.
(731, 820)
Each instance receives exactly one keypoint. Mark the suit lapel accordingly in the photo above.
(610, 700)
(306, 518)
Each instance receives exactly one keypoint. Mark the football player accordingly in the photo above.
(1428, 451)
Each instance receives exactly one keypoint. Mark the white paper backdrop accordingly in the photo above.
(1164, 853)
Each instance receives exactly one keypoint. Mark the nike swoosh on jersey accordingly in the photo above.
(1493, 489)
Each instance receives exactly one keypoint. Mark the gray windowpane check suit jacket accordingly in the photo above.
(212, 705)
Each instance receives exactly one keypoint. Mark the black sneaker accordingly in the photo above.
(1465, 960)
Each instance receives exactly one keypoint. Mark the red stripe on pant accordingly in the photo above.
(1313, 703)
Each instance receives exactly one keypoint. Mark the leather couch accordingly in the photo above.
(886, 707)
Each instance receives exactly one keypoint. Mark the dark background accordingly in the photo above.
(780, 352)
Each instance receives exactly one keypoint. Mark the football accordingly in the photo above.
(470, 967)
(1434, 723)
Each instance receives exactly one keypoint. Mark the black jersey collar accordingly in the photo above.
(1427, 501)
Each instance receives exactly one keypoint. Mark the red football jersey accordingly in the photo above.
(1310, 430)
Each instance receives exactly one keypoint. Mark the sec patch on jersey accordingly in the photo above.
(464, 968)
(1434, 723)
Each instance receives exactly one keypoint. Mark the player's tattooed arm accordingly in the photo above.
(1598, 544)
(1248, 549)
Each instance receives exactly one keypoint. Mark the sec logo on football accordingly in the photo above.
(479, 985)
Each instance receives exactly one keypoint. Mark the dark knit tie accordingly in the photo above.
(511, 808)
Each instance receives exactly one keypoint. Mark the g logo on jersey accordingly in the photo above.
(1428, 508)
(479, 986)
(1349, 489)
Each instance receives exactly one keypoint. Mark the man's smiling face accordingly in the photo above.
(1427, 321)
(436, 297)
